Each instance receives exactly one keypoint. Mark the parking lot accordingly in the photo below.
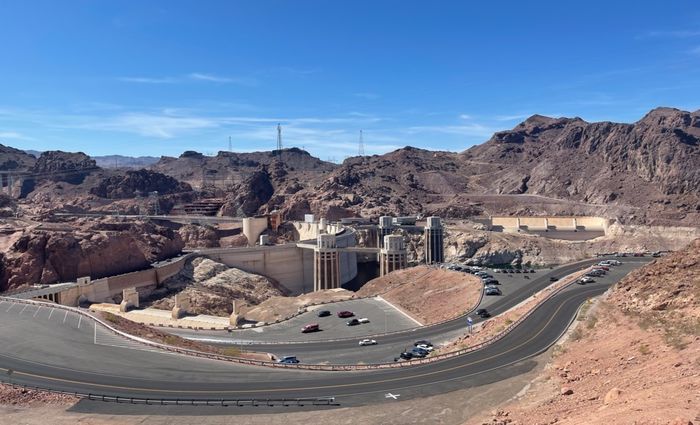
(383, 317)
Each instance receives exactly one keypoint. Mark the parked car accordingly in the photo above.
(353, 322)
(491, 281)
(345, 314)
(586, 279)
(312, 327)
(553, 279)
(517, 271)
(323, 313)
(606, 268)
(406, 355)
(422, 342)
(367, 342)
(615, 262)
(419, 352)
(427, 348)
(603, 263)
(483, 313)
(493, 291)
(532, 270)
(288, 359)
(363, 320)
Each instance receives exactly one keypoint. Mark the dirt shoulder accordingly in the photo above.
(429, 294)
(14, 396)
(146, 332)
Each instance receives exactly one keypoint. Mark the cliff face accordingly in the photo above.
(653, 164)
(96, 250)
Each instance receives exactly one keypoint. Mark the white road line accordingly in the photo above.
(400, 311)
(2, 302)
(8, 310)
(64, 317)
(37, 311)
(51, 313)
(80, 319)
(25, 307)
(95, 340)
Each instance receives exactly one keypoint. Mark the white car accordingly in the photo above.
(614, 262)
(587, 279)
(368, 342)
(604, 263)
(363, 320)
(425, 347)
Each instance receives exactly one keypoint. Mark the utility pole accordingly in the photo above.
(279, 139)
(361, 147)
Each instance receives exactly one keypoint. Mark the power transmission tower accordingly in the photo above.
(361, 147)
(279, 139)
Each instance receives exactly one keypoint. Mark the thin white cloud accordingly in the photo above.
(367, 95)
(195, 76)
(13, 135)
(463, 130)
(198, 76)
(671, 34)
(465, 117)
(513, 117)
(149, 80)
(695, 51)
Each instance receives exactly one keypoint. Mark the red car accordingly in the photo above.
(343, 314)
(313, 327)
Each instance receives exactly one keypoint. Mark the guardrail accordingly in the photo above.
(221, 402)
(320, 367)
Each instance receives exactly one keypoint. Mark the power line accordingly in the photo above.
(279, 139)
(361, 147)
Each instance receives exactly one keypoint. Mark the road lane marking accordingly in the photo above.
(51, 313)
(25, 307)
(323, 387)
(37, 311)
(64, 317)
(2, 302)
(390, 395)
(8, 310)
(80, 319)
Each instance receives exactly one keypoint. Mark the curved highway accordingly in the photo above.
(54, 349)
(346, 350)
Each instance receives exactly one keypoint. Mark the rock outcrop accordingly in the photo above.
(246, 199)
(63, 166)
(97, 250)
(138, 183)
(212, 287)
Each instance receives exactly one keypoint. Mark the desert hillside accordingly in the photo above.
(633, 358)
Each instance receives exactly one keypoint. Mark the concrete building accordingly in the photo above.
(326, 263)
(386, 227)
(393, 255)
(433, 239)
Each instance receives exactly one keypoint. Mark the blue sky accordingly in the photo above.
(160, 77)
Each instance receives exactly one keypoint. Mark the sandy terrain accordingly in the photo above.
(429, 294)
(12, 396)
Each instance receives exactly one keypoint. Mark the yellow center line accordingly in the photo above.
(302, 388)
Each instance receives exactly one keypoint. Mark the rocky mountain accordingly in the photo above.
(648, 171)
(86, 248)
(138, 183)
(15, 159)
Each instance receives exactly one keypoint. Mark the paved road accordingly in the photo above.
(49, 348)
(515, 287)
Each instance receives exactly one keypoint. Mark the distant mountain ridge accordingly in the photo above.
(114, 161)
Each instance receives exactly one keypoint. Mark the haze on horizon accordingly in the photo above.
(160, 78)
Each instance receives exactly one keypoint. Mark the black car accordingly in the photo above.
(491, 281)
(553, 279)
(323, 313)
(419, 352)
(353, 322)
(406, 355)
(483, 313)
(518, 271)
(422, 342)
